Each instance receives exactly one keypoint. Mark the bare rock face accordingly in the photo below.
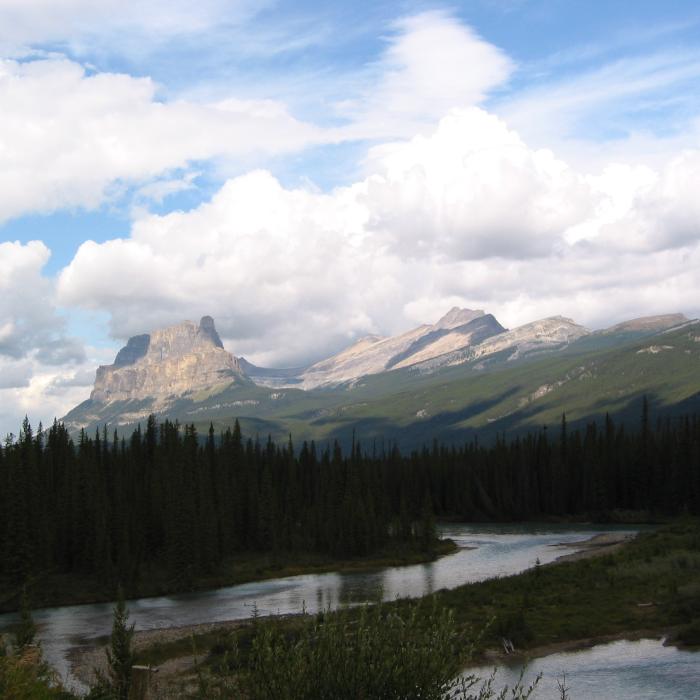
(458, 328)
(174, 361)
(456, 317)
(545, 335)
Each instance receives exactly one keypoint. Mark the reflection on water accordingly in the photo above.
(622, 670)
(488, 551)
(354, 590)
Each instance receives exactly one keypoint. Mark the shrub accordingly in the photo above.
(372, 653)
(22, 677)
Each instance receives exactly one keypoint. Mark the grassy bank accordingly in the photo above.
(651, 584)
(63, 589)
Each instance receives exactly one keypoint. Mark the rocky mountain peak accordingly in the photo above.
(208, 329)
(169, 362)
(458, 317)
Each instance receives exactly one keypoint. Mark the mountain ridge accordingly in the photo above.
(506, 379)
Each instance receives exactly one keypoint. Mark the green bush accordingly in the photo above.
(377, 653)
(23, 679)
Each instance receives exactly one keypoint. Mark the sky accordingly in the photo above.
(309, 173)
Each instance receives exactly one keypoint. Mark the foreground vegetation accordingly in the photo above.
(372, 653)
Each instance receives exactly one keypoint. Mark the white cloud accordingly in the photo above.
(87, 22)
(468, 215)
(44, 392)
(432, 63)
(28, 320)
(473, 189)
(474, 212)
(15, 374)
(71, 137)
(67, 136)
(666, 213)
(35, 349)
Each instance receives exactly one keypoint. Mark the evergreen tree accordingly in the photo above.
(120, 657)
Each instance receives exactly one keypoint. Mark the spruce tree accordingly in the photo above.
(120, 656)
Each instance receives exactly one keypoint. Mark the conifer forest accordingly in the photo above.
(103, 505)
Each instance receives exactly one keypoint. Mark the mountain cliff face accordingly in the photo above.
(458, 328)
(545, 335)
(185, 358)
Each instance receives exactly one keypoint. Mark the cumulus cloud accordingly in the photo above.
(42, 392)
(67, 136)
(468, 215)
(35, 348)
(29, 322)
(258, 257)
(15, 374)
(474, 189)
(665, 212)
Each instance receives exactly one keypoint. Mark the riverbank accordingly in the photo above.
(598, 545)
(498, 656)
(612, 587)
(54, 590)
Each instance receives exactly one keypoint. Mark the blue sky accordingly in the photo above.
(310, 172)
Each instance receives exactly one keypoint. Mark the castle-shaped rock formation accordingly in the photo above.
(178, 360)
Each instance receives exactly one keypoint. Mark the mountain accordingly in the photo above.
(460, 336)
(457, 329)
(546, 335)
(647, 324)
(152, 370)
(490, 380)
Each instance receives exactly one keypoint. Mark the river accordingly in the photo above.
(622, 670)
(488, 551)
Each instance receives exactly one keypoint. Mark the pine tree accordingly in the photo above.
(120, 656)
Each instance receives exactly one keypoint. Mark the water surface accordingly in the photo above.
(623, 670)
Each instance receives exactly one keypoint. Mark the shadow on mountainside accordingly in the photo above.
(442, 426)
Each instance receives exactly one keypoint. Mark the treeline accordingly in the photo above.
(107, 505)
(562, 473)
